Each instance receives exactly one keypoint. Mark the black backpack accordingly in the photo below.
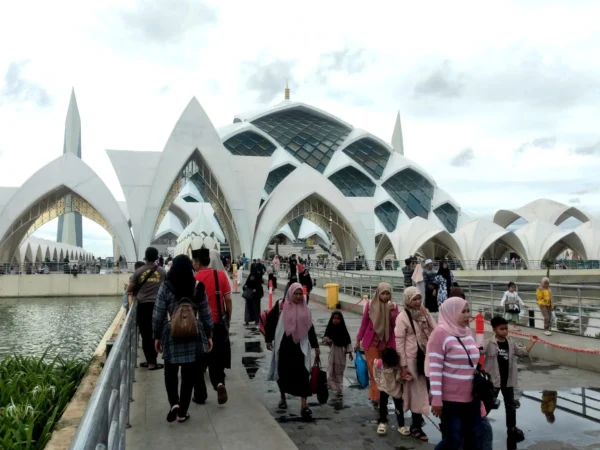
(483, 388)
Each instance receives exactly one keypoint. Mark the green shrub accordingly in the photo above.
(34, 392)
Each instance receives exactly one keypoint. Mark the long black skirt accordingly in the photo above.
(293, 379)
(252, 310)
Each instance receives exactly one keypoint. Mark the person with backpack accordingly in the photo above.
(144, 286)
(183, 325)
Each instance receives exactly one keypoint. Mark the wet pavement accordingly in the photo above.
(350, 422)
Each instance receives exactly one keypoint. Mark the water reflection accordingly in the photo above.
(70, 326)
(582, 402)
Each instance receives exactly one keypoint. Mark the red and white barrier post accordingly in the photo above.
(270, 294)
(480, 334)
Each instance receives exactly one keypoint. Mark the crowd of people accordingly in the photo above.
(420, 352)
(425, 366)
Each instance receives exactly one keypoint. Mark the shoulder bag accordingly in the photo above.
(222, 316)
(483, 388)
(420, 352)
(138, 287)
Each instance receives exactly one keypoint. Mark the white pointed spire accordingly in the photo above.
(72, 142)
(397, 140)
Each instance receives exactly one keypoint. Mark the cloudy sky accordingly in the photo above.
(500, 105)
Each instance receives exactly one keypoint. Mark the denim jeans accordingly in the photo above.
(462, 426)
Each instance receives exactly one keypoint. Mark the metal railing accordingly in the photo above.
(390, 264)
(106, 417)
(73, 267)
(577, 307)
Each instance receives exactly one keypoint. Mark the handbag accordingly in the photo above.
(362, 371)
(322, 389)
(512, 308)
(420, 352)
(247, 295)
(483, 388)
(314, 376)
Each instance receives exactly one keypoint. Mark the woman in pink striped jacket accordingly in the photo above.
(449, 349)
(377, 331)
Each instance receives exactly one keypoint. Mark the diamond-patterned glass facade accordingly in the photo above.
(310, 138)
(249, 144)
(371, 156)
(388, 214)
(412, 191)
(276, 176)
(448, 215)
(353, 183)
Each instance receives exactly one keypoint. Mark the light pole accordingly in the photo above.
(330, 237)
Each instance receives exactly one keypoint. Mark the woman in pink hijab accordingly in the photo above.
(291, 360)
(451, 357)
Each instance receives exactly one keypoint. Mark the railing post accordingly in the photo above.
(492, 298)
(580, 312)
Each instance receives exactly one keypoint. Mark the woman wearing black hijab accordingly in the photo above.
(253, 293)
(181, 353)
(337, 336)
(446, 281)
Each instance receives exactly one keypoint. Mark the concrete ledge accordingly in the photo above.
(61, 285)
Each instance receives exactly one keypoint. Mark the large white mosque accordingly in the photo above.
(290, 171)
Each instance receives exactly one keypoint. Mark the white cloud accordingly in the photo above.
(464, 81)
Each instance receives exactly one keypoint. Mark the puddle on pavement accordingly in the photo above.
(569, 417)
(253, 347)
(251, 365)
(292, 418)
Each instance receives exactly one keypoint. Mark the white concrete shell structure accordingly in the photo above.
(485, 239)
(589, 234)
(542, 209)
(36, 250)
(545, 241)
(66, 184)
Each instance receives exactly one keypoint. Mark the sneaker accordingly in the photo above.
(547, 333)
(221, 394)
(382, 428)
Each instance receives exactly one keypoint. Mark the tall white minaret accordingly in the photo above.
(397, 140)
(69, 225)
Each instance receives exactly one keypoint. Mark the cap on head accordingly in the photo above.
(151, 254)
(428, 261)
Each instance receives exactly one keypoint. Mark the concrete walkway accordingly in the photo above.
(243, 423)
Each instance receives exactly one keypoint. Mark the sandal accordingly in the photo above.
(184, 418)
(382, 428)
(404, 431)
(306, 413)
(417, 433)
(172, 413)
(282, 404)
(157, 367)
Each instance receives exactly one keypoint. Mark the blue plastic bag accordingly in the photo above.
(362, 371)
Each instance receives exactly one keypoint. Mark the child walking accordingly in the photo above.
(512, 305)
(388, 377)
(501, 355)
(338, 338)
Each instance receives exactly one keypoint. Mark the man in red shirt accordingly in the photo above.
(219, 357)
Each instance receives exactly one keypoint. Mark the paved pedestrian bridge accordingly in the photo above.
(252, 420)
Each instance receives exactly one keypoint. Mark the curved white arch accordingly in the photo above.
(589, 233)
(479, 235)
(540, 237)
(409, 237)
(358, 133)
(309, 229)
(70, 172)
(242, 128)
(299, 185)
(542, 209)
(195, 132)
(397, 163)
(384, 248)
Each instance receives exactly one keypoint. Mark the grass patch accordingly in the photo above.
(34, 393)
